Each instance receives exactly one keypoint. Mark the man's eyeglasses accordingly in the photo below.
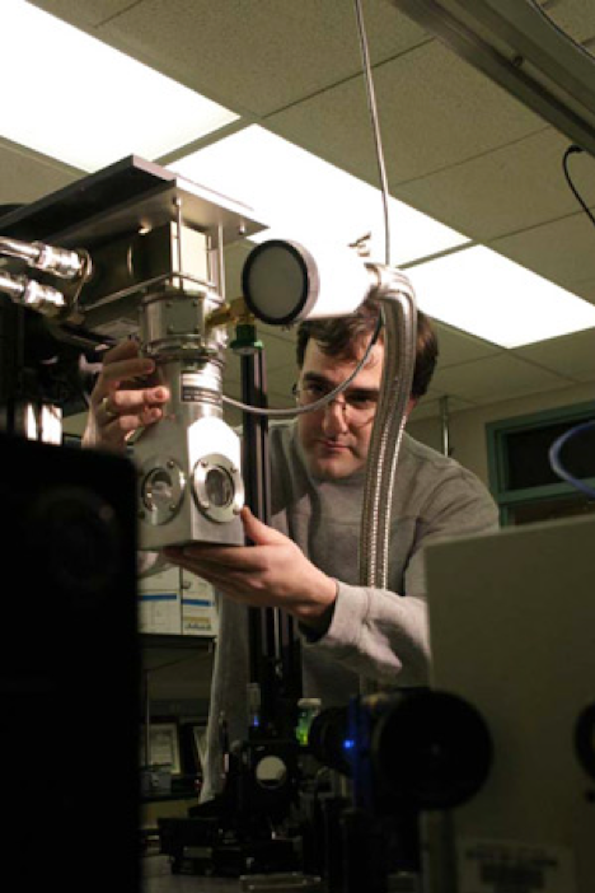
(358, 405)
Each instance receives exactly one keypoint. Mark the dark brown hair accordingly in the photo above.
(342, 336)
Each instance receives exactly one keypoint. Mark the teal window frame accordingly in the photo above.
(498, 464)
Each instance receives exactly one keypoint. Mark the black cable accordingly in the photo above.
(571, 151)
(556, 448)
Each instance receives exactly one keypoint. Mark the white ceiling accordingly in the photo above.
(457, 147)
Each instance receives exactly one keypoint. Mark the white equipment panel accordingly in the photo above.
(512, 623)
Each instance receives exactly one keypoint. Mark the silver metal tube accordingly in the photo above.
(400, 317)
(179, 225)
(220, 262)
(13, 286)
(22, 250)
(400, 312)
(43, 298)
(60, 262)
(375, 124)
(444, 426)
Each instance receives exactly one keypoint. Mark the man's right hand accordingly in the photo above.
(126, 397)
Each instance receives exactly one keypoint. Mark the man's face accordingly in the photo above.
(335, 440)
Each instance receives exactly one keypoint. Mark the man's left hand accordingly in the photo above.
(273, 573)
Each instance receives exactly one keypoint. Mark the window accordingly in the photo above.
(521, 478)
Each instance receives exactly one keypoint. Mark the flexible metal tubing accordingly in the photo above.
(400, 312)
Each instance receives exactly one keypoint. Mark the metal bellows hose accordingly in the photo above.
(400, 321)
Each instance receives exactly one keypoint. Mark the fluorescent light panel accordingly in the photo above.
(73, 98)
(487, 295)
(305, 198)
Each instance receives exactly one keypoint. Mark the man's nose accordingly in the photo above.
(334, 419)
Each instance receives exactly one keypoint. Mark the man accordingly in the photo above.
(306, 562)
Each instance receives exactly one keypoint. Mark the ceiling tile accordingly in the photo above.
(572, 356)
(586, 289)
(495, 378)
(435, 111)
(575, 17)
(459, 347)
(563, 251)
(273, 53)
(509, 189)
(27, 176)
(83, 13)
(458, 148)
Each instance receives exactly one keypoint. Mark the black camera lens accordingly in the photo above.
(328, 739)
(431, 748)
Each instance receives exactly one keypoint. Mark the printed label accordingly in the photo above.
(501, 866)
(191, 391)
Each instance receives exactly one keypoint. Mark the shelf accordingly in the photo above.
(165, 640)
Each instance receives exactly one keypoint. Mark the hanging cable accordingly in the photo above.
(318, 404)
(373, 109)
(556, 448)
(571, 151)
(400, 319)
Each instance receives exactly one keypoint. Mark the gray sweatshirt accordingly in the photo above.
(374, 633)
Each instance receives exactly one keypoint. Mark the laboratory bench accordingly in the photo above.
(157, 877)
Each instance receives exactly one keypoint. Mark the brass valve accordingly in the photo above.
(234, 313)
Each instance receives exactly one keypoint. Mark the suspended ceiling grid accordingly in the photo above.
(457, 147)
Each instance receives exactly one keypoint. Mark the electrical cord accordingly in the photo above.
(373, 110)
(318, 404)
(556, 448)
(556, 462)
(571, 150)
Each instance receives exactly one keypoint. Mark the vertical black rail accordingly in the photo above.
(274, 661)
(256, 475)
